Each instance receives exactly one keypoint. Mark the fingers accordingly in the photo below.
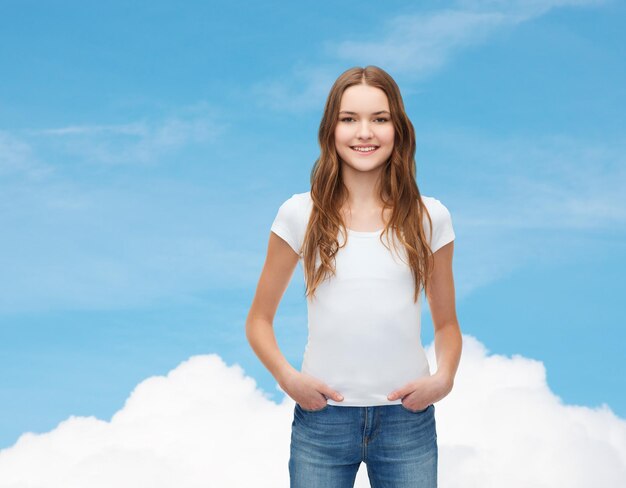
(332, 394)
(401, 393)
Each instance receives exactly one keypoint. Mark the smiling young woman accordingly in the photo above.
(369, 243)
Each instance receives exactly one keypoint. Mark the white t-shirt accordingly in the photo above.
(364, 329)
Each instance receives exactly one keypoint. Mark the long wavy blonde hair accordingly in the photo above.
(396, 187)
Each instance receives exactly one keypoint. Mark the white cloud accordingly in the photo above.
(94, 245)
(142, 141)
(547, 182)
(17, 158)
(99, 240)
(419, 44)
(523, 8)
(412, 46)
(546, 199)
(302, 90)
(138, 142)
(207, 424)
(135, 128)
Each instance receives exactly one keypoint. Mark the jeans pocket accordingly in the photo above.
(311, 411)
(415, 411)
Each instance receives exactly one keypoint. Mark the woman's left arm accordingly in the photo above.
(422, 392)
(441, 301)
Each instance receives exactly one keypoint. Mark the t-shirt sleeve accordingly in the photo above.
(443, 232)
(287, 223)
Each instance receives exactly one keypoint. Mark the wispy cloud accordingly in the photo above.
(523, 9)
(547, 182)
(76, 241)
(80, 246)
(514, 199)
(18, 158)
(303, 89)
(418, 45)
(192, 427)
(144, 141)
(413, 46)
(136, 129)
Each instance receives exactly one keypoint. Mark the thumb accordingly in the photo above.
(330, 393)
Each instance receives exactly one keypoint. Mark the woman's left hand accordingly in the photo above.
(420, 393)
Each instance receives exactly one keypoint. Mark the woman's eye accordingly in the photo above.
(346, 119)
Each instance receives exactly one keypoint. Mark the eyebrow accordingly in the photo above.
(373, 113)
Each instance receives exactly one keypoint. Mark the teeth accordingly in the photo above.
(365, 149)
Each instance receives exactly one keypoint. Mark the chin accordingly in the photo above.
(359, 166)
(364, 164)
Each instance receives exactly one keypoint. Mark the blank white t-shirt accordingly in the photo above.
(364, 329)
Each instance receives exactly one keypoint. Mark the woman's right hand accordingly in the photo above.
(309, 392)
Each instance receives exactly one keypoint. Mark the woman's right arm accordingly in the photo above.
(280, 263)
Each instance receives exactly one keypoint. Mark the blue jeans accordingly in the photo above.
(398, 446)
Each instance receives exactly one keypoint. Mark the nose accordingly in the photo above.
(364, 131)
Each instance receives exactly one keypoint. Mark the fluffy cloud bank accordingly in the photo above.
(206, 424)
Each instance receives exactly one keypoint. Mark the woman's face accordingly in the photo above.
(364, 121)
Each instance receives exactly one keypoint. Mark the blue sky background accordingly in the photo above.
(145, 149)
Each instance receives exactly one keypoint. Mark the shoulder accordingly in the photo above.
(297, 203)
(442, 228)
(435, 207)
(302, 198)
(292, 218)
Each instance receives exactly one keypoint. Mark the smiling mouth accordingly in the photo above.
(364, 149)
